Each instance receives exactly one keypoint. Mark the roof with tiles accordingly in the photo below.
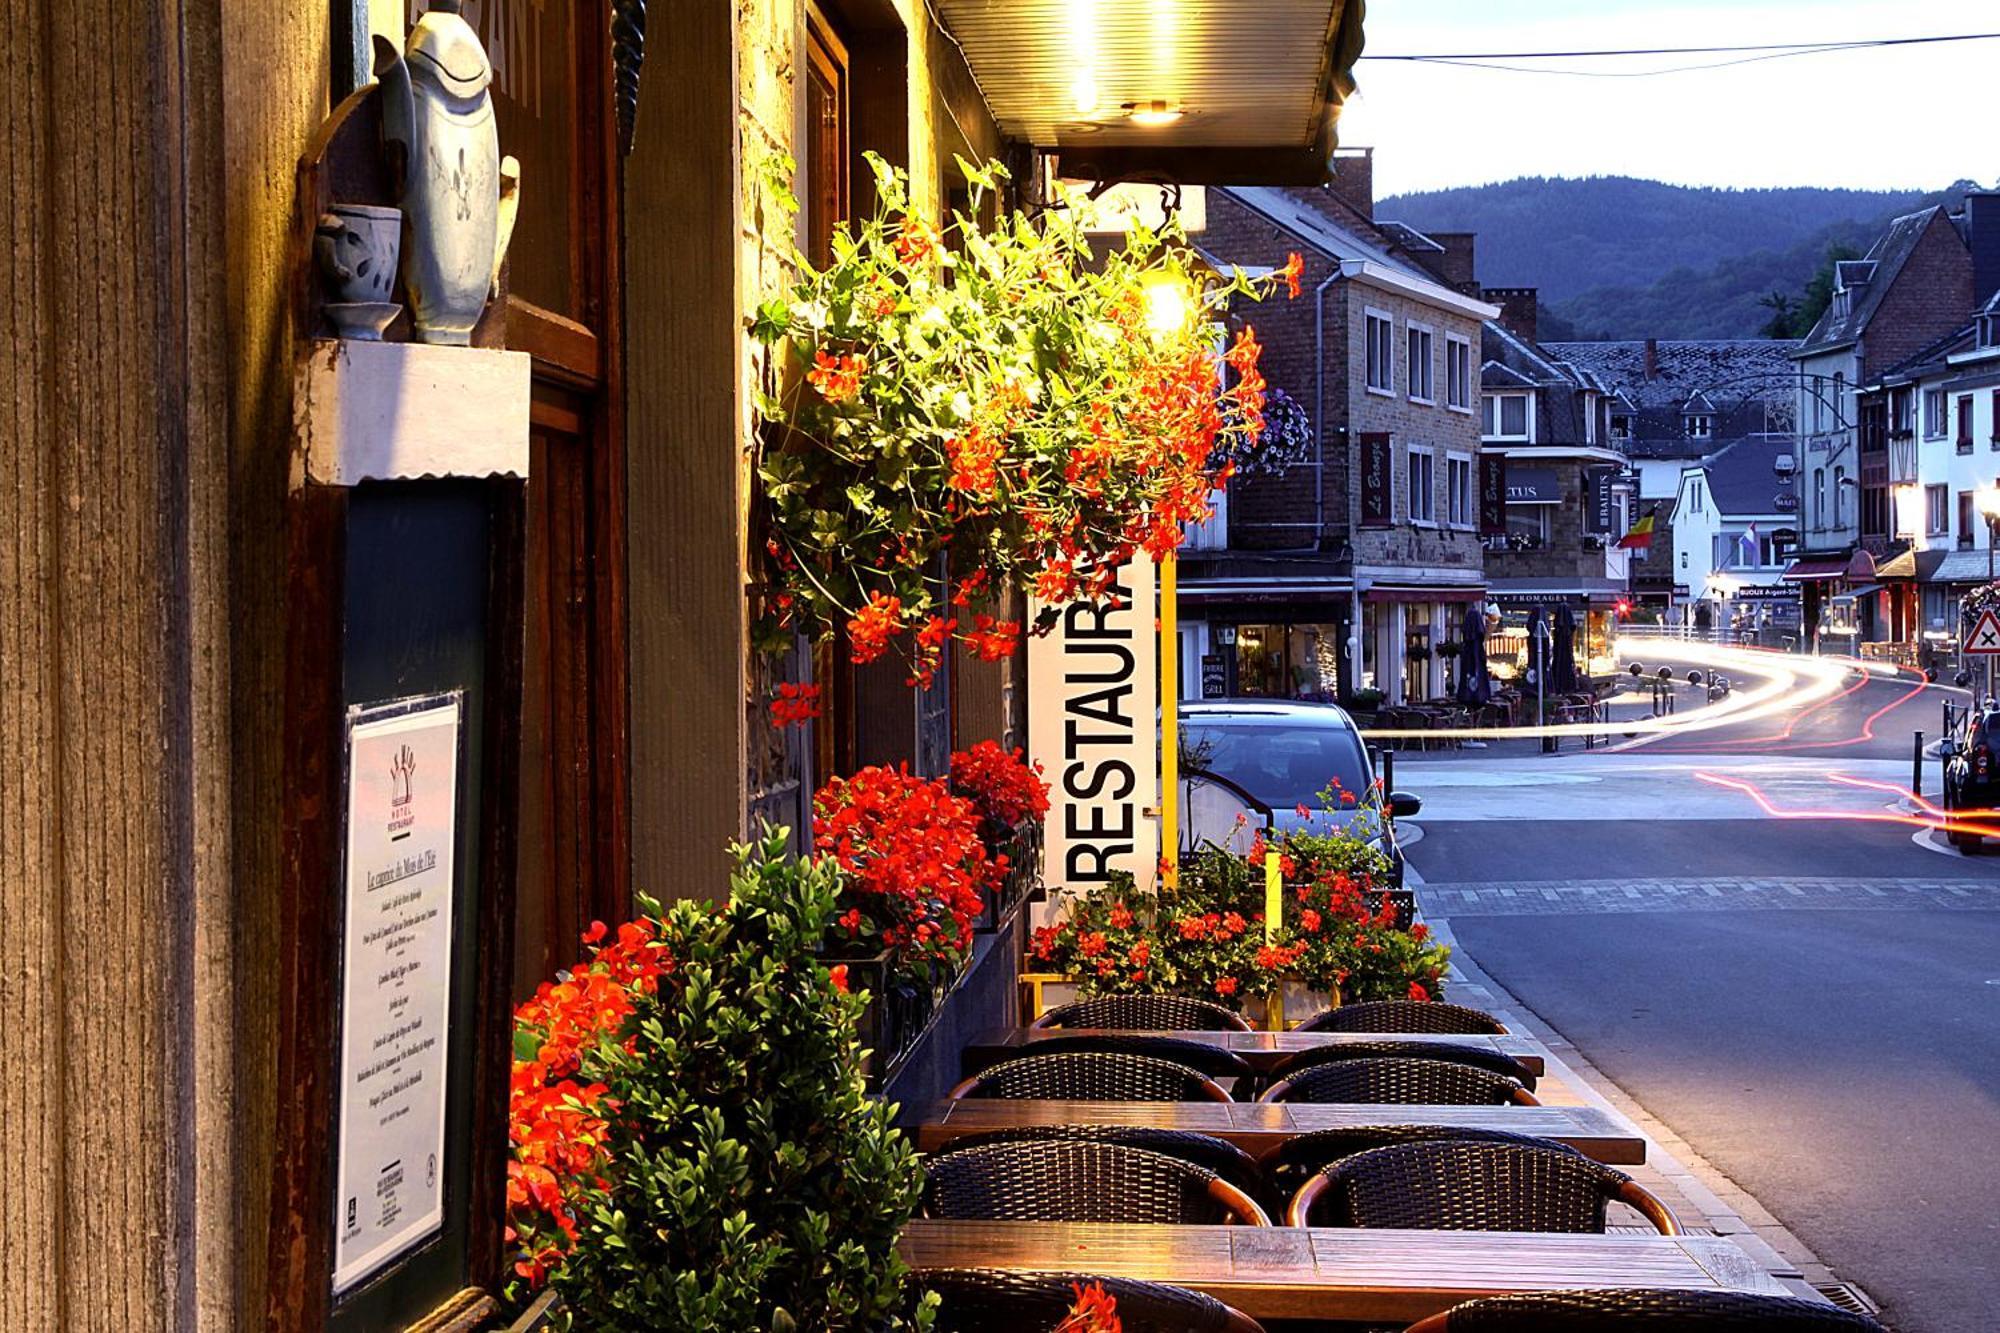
(1721, 367)
(1868, 280)
(1744, 479)
(1315, 227)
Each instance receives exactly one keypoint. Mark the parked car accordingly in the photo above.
(1283, 755)
(1972, 769)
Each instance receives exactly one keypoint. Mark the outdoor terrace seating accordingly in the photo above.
(1096, 1076)
(983, 1300)
(1479, 1057)
(1215, 1061)
(1225, 1159)
(1287, 1167)
(1406, 1082)
(1403, 1016)
(1072, 1180)
(1640, 1311)
(1457, 1185)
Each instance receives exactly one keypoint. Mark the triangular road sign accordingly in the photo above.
(1984, 636)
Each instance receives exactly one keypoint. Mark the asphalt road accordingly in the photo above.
(1840, 1061)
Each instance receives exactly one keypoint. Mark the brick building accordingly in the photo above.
(1346, 572)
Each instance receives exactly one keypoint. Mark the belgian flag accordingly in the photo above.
(1640, 538)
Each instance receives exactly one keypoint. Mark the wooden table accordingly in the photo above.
(1257, 1127)
(1339, 1273)
(1260, 1050)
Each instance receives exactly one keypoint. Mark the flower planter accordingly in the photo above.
(1022, 845)
(897, 1009)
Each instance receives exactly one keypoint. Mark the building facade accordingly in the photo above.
(1725, 550)
(1342, 576)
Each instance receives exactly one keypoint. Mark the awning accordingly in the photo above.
(1856, 594)
(1533, 486)
(1243, 94)
(1860, 565)
(1804, 571)
(1383, 593)
(1900, 566)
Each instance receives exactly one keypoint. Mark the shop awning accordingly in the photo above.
(1806, 571)
(1203, 92)
(1387, 592)
(1533, 486)
(1900, 566)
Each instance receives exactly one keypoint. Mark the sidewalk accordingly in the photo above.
(1702, 1197)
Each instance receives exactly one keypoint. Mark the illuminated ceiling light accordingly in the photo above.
(1152, 114)
(1085, 94)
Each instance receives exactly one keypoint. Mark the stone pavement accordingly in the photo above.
(1702, 1197)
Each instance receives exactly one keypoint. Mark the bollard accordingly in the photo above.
(1917, 769)
(1388, 774)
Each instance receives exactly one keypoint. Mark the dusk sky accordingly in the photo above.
(1910, 117)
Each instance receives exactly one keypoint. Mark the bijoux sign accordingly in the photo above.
(1093, 690)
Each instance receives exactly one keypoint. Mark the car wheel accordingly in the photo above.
(1952, 835)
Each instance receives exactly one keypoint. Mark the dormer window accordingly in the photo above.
(1621, 425)
(1989, 331)
(1843, 303)
(1699, 425)
(1506, 416)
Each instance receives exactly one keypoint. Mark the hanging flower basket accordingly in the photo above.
(974, 409)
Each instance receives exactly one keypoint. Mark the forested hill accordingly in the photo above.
(1625, 258)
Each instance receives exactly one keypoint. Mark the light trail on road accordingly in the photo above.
(1789, 681)
(1928, 816)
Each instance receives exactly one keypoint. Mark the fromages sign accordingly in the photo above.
(1093, 690)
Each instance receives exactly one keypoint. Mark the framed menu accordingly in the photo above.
(395, 989)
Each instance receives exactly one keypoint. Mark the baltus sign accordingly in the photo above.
(1093, 692)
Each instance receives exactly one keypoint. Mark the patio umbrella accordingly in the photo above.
(1537, 652)
(1474, 687)
(1562, 653)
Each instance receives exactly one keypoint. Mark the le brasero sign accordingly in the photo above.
(1375, 480)
(1093, 725)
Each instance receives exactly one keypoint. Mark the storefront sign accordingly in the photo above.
(1376, 511)
(1602, 514)
(1093, 691)
(1214, 676)
(1533, 486)
(402, 826)
(1493, 495)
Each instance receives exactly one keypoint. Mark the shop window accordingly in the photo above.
(1528, 527)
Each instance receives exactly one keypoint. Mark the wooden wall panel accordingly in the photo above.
(685, 466)
(114, 825)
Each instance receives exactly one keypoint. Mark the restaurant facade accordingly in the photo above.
(245, 557)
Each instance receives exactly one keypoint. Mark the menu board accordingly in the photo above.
(402, 826)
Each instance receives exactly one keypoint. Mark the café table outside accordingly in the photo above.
(1260, 1050)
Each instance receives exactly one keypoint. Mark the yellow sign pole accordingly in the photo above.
(1170, 724)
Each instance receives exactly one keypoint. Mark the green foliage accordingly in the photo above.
(751, 1183)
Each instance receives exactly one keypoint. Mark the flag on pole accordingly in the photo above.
(1746, 546)
(1640, 538)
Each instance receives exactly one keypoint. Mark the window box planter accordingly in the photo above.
(898, 1005)
(1021, 844)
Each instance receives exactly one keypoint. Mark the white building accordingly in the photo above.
(1726, 512)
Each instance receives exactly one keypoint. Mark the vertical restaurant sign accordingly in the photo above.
(1603, 513)
(1093, 725)
(1492, 495)
(1375, 480)
(402, 827)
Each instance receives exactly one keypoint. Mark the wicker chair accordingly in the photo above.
(1144, 1013)
(1428, 1016)
(1077, 1181)
(1457, 1185)
(1299, 1158)
(1399, 1082)
(1211, 1060)
(1221, 1156)
(982, 1300)
(1639, 1311)
(1093, 1076)
(1479, 1057)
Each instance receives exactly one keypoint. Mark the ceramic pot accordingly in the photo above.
(357, 247)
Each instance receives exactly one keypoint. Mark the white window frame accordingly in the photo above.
(1386, 387)
(1936, 410)
(1707, 420)
(1499, 401)
(1458, 388)
(1429, 492)
(1937, 510)
(1459, 492)
(1589, 417)
(1424, 362)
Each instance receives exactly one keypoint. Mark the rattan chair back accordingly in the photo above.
(1398, 1082)
(1479, 1057)
(1297, 1159)
(1221, 1156)
(1460, 1185)
(1144, 1013)
(1432, 1016)
(1645, 1311)
(1093, 1076)
(1079, 1181)
(982, 1300)
(1208, 1058)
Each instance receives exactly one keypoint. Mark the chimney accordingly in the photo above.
(1982, 235)
(1517, 309)
(1456, 265)
(1652, 357)
(1354, 179)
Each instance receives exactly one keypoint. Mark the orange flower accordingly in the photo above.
(1295, 264)
(838, 378)
(873, 626)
